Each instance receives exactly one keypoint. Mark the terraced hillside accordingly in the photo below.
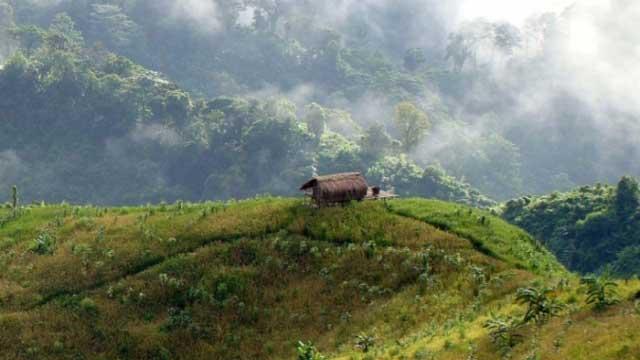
(410, 279)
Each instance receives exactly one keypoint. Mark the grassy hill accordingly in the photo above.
(414, 279)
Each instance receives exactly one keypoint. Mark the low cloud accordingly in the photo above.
(203, 14)
(11, 167)
(155, 133)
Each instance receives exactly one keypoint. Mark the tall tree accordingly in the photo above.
(375, 142)
(627, 198)
(412, 124)
(316, 119)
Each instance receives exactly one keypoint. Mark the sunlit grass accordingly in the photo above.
(249, 279)
(489, 233)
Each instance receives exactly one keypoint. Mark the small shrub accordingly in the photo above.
(85, 223)
(58, 347)
(307, 351)
(226, 286)
(503, 332)
(43, 244)
(178, 319)
(540, 306)
(88, 306)
(601, 291)
(365, 342)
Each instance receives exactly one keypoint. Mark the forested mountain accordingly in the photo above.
(590, 229)
(318, 86)
(82, 124)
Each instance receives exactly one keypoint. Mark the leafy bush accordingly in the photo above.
(540, 306)
(365, 342)
(601, 291)
(43, 244)
(178, 319)
(307, 351)
(627, 263)
(88, 306)
(503, 332)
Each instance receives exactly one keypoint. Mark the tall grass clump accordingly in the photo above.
(541, 306)
(504, 332)
(601, 291)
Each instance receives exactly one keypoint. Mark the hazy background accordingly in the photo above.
(522, 97)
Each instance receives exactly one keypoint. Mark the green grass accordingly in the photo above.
(248, 279)
(489, 234)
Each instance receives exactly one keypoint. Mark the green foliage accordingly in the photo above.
(541, 306)
(627, 263)
(88, 306)
(436, 183)
(412, 124)
(399, 172)
(601, 291)
(496, 238)
(626, 198)
(365, 342)
(43, 244)
(406, 178)
(178, 319)
(588, 228)
(504, 332)
(180, 145)
(375, 142)
(316, 119)
(336, 154)
(307, 351)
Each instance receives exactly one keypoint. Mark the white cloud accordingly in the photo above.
(204, 13)
(156, 133)
(513, 11)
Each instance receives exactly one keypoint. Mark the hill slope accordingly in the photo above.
(248, 279)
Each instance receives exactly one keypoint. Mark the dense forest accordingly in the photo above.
(129, 101)
(590, 229)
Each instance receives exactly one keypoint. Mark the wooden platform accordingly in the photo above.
(383, 195)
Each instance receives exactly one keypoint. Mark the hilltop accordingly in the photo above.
(414, 279)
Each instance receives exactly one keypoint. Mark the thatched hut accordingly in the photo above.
(336, 189)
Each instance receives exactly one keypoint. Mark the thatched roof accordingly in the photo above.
(337, 188)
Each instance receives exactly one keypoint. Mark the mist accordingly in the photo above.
(521, 97)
